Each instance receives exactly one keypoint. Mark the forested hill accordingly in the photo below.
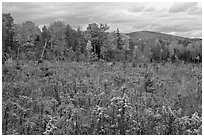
(149, 35)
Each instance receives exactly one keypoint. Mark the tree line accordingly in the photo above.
(59, 41)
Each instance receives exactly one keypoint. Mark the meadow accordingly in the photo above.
(94, 98)
(59, 80)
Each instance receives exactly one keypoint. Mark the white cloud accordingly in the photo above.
(182, 6)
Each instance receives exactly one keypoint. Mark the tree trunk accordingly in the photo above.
(43, 50)
(18, 52)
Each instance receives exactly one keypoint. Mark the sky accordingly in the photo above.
(181, 18)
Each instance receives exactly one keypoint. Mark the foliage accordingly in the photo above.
(57, 38)
(71, 38)
(94, 99)
(45, 34)
(26, 32)
(115, 46)
(160, 50)
(26, 35)
(7, 36)
(97, 34)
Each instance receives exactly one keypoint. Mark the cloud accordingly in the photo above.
(190, 34)
(195, 10)
(137, 8)
(173, 28)
(128, 17)
(149, 9)
(182, 6)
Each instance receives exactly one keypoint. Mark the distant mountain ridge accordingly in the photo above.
(150, 35)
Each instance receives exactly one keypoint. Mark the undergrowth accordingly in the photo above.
(98, 98)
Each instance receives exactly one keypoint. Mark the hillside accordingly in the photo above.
(148, 35)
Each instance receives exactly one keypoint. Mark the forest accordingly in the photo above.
(58, 80)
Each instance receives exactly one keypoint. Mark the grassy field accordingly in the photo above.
(101, 98)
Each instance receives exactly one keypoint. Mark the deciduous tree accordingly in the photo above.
(97, 34)
(25, 35)
(7, 35)
(57, 38)
(45, 38)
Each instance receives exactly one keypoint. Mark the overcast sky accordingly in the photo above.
(183, 19)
